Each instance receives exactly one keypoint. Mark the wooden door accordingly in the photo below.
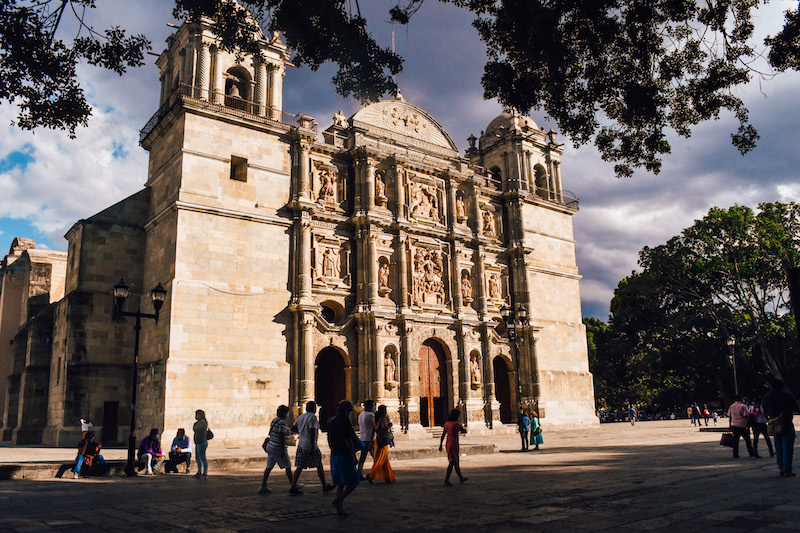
(431, 386)
(329, 384)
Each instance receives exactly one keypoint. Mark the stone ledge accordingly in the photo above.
(57, 469)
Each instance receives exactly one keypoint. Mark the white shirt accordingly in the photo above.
(366, 425)
(305, 424)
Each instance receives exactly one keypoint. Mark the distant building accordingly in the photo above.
(369, 260)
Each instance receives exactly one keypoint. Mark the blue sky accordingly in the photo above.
(49, 181)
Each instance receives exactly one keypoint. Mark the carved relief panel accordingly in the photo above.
(426, 199)
(429, 276)
(327, 186)
(330, 261)
(490, 220)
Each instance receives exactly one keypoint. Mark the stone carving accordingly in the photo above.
(424, 201)
(380, 188)
(488, 223)
(466, 287)
(428, 277)
(327, 191)
(399, 117)
(461, 209)
(331, 264)
(475, 371)
(494, 287)
(389, 368)
(339, 120)
(383, 279)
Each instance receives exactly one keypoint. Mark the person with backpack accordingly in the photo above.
(779, 406)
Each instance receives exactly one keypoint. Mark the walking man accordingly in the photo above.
(632, 414)
(308, 454)
(366, 429)
(738, 413)
(779, 405)
(343, 443)
(276, 450)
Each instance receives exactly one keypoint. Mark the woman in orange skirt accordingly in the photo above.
(381, 469)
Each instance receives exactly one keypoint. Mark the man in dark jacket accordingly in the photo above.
(779, 406)
(343, 442)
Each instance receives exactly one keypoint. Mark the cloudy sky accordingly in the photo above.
(48, 181)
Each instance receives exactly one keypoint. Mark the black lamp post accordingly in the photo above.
(731, 342)
(157, 296)
(514, 319)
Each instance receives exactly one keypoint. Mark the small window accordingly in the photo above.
(328, 314)
(238, 168)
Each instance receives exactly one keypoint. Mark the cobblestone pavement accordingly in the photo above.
(656, 476)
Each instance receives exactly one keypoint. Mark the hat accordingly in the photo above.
(345, 406)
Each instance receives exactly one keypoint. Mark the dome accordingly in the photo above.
(398, 117)
(511, 121)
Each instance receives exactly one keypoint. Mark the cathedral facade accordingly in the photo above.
(368, 260)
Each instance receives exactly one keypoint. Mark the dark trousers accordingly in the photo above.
(524, 436)
(745, 434)
(760, 428)
(784, 450)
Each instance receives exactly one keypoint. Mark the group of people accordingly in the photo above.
(695, 414)
(770, 416)
(530, 429)
(89, 459)
(348, 451)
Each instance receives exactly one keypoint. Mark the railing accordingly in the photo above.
(226, 104)
(565, 197)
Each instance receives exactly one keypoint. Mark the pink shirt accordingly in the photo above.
(738, 413)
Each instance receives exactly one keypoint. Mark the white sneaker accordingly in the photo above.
(299, 486)
(264, 490)
(76, 475)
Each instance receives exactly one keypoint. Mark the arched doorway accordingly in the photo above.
(329, 384)
(502, 389)
(432, 384)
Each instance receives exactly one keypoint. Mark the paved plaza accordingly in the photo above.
(656, 476)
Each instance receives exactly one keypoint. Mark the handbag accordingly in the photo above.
(536, 432)
(266, 441)
(209, 435)
(775, 424)
(727, 440)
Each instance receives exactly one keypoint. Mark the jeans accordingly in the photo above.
(97, 460)
(524, 435)
(200, 457)
(745, 434)
(784, 450)
(366, 448)
(78, 464)
(760, 428)
(148, 459)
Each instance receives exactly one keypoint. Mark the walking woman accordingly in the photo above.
(451, 430)
(536, 430)
(760, 426)
(381, 469)
(201, 443)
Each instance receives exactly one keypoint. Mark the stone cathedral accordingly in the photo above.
(368, 260)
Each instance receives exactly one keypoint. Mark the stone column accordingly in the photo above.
(451, 203)
(373, 268)
(203, 72)
(399, 192)
(304, 254)
(491, 405)
(261, 87)
(410, 385)
(557, 179)
(307, 357)
(276, 90)
(402, 270)
(219, 81)
(455, 275)
(164, 90)
(303, 174)
(369, 184)
(188, 64)
(479, 288)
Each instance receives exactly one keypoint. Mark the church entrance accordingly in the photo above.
(432, 384)
(502, 389)
(329, 384)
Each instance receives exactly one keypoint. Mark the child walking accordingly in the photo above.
(452, 428)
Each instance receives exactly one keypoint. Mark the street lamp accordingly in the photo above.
(513, 320)
(731, 342)
(157, 297)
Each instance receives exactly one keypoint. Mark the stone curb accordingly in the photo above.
(57, 469)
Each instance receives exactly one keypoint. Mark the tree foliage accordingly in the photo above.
(619, 73)
(37, 68)
(725, 276)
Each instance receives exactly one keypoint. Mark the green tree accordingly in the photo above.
(621, 74)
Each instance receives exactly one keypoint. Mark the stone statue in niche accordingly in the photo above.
(461, 209)
(424, 201)
(380, 188)
(466, 288)
(428, 277)
(339, 120)
(330, 263)
(475, 370)
(389, 368)
(494, 287)
(383, 279)
(488, 223)
(327, 191)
